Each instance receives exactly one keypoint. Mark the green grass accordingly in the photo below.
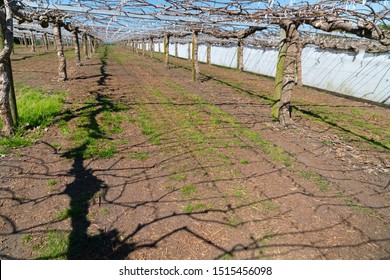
(323, 183)
(52, 182)
(36, 108)
(189, 208)
(359, 208)
(269, 205)
(141, 156)
(54, 247)
(68, 213)
(178, 177)
(188, 191)
(26, 238)
(244, 161)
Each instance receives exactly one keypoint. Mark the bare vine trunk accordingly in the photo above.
(289, 71)
(62, 75)
(279, 73)
(45, 41)
(76, 46)
(208, 53)
(195, 63)
(176, 50)
(298, 78)
(189, 50)
(33, 42)
(166, 48)
(25, 43)
(6, 82)
(240, 55)
(151, 48)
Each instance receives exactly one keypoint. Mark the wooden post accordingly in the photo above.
(195, 64)
(33, 42)
(208, 53)
(279, 73)
(176, 50)
(189, 51)
(62, 74)
(45, 41)
(85, 46)
(166, 48)
(151, 48)
(240, 55)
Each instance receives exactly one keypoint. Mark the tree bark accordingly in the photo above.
(298, 76)
(85, 46)
(62, 74)
(76, 46)
(195, 63)
(45, 41)
(240, 55)
(279, 73)
(166, 48)
(6, 82)
(151, 48)
(288, 81)
(33, 42)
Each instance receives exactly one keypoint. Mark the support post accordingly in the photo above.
(208, 53)
(195, 63)
(166, 48)
(62, 74)
(240, 55)
(76, 46)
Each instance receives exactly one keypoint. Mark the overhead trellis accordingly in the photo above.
(365, 21)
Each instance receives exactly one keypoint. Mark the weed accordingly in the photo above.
(105, 211)
(359, 208)
(52, 182)
(26, 238)
(178, 177)
(323, 183)
(326, 142)
(68, 213)
(55, 246)
(187, 191)
(269, 205)
(234, 221)
(141, 156)
(244, 161)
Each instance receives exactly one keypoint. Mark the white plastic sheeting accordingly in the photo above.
(361, 75)
(224, 56)
(260, 61)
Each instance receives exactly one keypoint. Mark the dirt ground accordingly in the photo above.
(198, 170)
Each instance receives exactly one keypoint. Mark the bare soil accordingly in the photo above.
(205, 187)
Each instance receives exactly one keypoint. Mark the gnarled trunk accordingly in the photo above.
(76, 46)
(289, 71)
(62, 74)
(6, 82)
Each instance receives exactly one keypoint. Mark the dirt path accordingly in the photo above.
(148, 165)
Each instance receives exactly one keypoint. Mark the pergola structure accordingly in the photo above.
(365, 24)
